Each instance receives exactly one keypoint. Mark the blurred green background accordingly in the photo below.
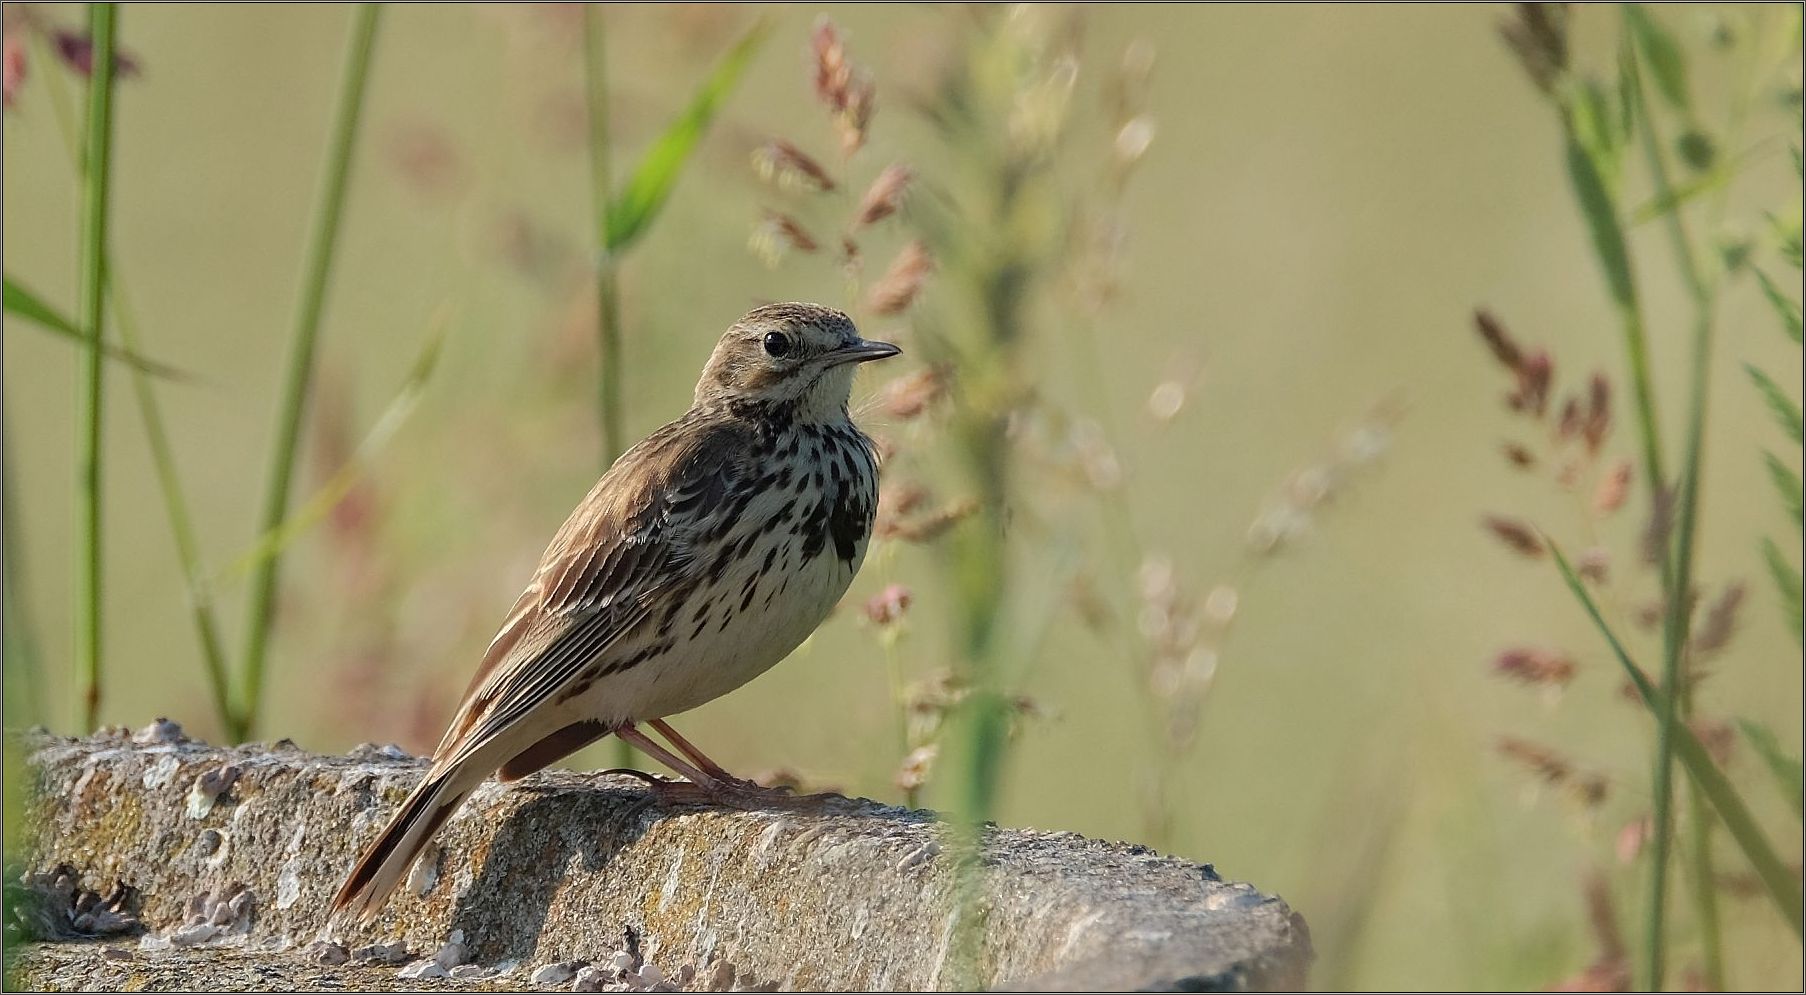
(1329, 195)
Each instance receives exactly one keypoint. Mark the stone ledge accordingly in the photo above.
(855, 895)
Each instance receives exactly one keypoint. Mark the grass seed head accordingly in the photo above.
(898, 287)
(1516, 536)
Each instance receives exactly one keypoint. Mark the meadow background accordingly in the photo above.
(1328, 196)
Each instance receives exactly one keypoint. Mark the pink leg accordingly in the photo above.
(689, 749)
(664, 756)
(708, 787)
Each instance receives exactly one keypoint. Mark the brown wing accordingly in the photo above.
(629, 540)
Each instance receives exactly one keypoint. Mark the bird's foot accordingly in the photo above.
(731, 793)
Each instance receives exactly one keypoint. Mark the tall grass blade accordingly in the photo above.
(1661, 53)
(608, 302)
(1787, 237)
(1785, 409)
(96, 189)
(1600, 213)
(610, 404)
(1786, 769)
(175, 505)
(1786, 308)
(651, 182)
(1789, 583)
(1787, 484)
(1778, 880)
(317, 273)
(25, 304)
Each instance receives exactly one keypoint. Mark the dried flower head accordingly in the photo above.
(789, 168)
(928, 527)
(1613, 488)
(845, 89)
(76, 50)
(777, 234)
(1598, 421)
(1518, 455)
(1538, 34)
(1520, 538)
(901, 498)
(916, 767)
(1594, 564)
(1610, 969)
(1534, 379)
(1569, 424)
(1541, 760)
(1504, 348)
(1717, 737)
(12, 68)
(1720, 622)
(1661, 520)
(1535, 666)
(898, 287)
(910, 395)
(889, 605)
(1290, 516)
(885, 195)
(1589, 788)
(1632, 837)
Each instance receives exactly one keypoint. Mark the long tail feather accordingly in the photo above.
(384, 863)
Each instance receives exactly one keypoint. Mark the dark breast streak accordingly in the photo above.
(838, 460)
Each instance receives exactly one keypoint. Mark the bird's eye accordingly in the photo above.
(777, 345)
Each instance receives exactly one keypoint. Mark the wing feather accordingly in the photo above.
(601, 576)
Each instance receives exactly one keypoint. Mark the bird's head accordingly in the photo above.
(799, 355)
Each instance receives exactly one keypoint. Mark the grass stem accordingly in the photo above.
(1679, 579)
(608, 290)
(328, 212)
(181, 523)
(162, 452)
(96, 177)
(608, 302)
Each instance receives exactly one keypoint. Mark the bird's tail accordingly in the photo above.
(384, 863)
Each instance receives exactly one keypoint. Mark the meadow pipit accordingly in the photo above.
(701, 558)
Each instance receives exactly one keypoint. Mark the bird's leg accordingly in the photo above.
(664, 756)
(718, 787)
(696, 756)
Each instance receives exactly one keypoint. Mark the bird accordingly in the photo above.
(702, 557)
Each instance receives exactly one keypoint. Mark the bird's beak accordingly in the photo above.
(862, 351)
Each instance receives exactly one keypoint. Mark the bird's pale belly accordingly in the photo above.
(738, 637)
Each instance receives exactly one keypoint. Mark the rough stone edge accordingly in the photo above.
(1279, 965)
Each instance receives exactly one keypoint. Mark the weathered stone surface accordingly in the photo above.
(848, 895)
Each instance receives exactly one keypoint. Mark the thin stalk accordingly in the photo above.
(608, 292)
(1677, 623)
(1600, 211)
(175, 503)
(608, 302)
(102, 24)
(1780, 881)
(328, 211)
(181, 525)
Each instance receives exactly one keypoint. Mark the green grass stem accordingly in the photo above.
(96, 189)
(1779, 881)
(1679, 574)
(162, 451)
(316, 276)
(608, 288)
